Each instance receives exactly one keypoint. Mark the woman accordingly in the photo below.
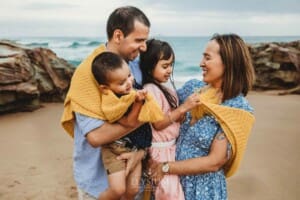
(203, 145)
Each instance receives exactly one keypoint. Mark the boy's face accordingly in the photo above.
(120, 81)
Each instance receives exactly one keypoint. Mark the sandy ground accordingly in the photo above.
(36, 154)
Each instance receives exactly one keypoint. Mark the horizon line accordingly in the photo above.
(151, 36)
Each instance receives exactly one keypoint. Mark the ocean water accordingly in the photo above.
(188, 50)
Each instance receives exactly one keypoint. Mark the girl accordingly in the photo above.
(157, 66)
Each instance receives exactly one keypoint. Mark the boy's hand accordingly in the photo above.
(140, 95)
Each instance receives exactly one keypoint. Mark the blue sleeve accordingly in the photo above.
(239, 102)
(188, 88)
(87, 124)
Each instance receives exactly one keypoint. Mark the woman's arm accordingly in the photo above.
(216, 158)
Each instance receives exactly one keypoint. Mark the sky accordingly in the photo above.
(20, 18)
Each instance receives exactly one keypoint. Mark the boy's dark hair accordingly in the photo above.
(123, 18)
(157, 50)
(104, 62)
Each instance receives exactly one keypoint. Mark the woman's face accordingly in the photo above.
(212, 65)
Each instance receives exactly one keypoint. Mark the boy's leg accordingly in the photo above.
(133, 182)
(116, 186)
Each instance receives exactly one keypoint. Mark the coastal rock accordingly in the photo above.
(277, 66)
(29, 76)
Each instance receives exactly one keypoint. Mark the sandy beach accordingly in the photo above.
(36, 154)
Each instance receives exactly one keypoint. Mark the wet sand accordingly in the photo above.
(36, 154)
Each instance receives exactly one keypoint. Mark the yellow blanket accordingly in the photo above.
(84, 97)
(114, 108)
(236, 124)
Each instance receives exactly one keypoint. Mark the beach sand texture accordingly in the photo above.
(36, 154)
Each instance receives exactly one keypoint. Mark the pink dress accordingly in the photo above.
(163, 149)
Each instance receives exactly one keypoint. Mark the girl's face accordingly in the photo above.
(163, 70)
(212, 65)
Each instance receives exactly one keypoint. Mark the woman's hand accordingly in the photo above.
(155, 171)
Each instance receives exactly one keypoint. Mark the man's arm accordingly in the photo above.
(108, 133)
(98, 132)
(132, 117)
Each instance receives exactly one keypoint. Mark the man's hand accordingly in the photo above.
(133, 158)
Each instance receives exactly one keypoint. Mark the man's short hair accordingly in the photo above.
(123, 18)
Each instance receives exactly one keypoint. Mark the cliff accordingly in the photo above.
(29, 76)
(277, 66)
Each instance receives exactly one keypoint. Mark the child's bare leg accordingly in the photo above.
(133, 182)
(116, 186)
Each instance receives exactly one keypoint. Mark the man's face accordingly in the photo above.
(131, 45)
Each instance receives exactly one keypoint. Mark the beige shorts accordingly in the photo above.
(110, 152)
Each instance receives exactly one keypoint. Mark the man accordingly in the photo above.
(127, 32)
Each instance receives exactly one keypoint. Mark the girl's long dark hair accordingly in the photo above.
(157, 50)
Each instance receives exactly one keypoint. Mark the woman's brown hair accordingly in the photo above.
(238, 74)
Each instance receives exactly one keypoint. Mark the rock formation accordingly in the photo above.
(277, 66)
(29, 76)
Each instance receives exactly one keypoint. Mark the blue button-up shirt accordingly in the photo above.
(89, 172)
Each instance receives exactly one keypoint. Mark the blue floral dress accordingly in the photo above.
(195, 141)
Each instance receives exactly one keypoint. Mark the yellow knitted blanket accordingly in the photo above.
(84, 97)
(236, 124)
(114, 107)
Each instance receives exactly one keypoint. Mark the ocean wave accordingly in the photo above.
(81, 44)
(74, 62)
(193, 69)
(38, 44)
(180, 78)
(94, 43)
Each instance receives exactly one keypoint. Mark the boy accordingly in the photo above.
(115, 83)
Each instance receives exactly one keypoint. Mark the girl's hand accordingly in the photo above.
(191, 102)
